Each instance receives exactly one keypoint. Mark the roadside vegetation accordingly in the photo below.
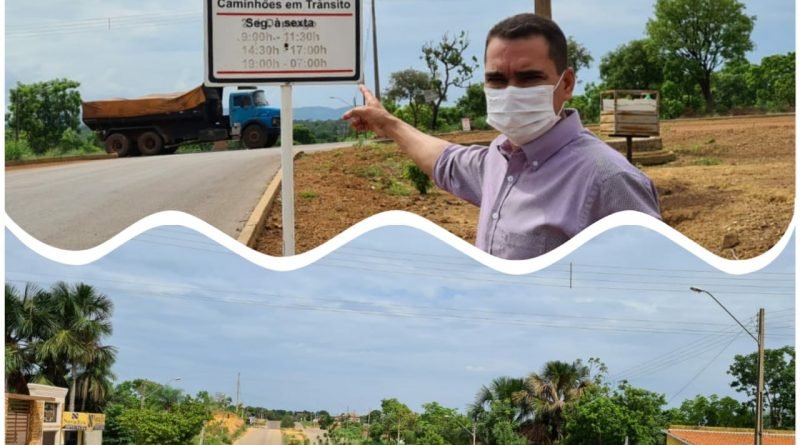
(57, 336)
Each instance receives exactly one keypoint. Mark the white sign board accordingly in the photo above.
(257, 42)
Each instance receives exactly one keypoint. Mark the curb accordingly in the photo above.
(61, 160)
(255, 223)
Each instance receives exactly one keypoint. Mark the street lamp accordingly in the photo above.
(344, 101)
(145, 393)
(759, 433)
(472, 432)
(346, 127)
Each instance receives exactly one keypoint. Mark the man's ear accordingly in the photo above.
(568, 83)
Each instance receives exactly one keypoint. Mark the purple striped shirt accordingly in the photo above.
(534, 199)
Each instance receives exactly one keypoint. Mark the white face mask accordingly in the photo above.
(522, 114)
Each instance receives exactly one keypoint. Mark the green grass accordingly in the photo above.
(396, 188)
(370, 171)
(707, 161)
(308, 195)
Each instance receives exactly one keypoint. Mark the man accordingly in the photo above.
(545, 178)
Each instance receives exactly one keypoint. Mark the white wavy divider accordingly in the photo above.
(399, 218)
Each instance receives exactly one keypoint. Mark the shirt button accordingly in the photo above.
(510, 179)
(535, 164)
(495, 215)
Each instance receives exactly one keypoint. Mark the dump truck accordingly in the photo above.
(159, 124)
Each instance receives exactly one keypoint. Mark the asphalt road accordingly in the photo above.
(80, 205)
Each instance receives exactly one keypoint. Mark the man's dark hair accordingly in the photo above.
(522, 26)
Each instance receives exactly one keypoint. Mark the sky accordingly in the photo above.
(119, 48)
(398, 313)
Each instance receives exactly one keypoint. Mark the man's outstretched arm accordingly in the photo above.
(423, 149)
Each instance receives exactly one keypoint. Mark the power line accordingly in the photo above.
(102, 24)
(678, 354)
(704, 367)
(416, 315)
(548, 316)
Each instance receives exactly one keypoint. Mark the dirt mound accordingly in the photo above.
(231, 422)
(733, 181)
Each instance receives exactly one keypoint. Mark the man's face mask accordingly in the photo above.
(522, 114)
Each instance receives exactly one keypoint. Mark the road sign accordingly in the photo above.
(259, 42)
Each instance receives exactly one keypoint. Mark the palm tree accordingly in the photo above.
(82, 320)
(28, 321)
(547, 393)
(501, 388)
(497, 402)
(96, 382)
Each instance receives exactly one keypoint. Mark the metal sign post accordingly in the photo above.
(287, 166)
(283, 42)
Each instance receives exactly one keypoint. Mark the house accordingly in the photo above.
(35, 419)
(40, 419)
(699, 435)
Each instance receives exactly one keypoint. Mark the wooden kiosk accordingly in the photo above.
(629, 114)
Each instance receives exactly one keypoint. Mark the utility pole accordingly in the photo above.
(375, 53)
(238, 374)
(759, 430)
(542, 8)
(759, 440)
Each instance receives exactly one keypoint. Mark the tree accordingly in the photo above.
(28, 322)
(441, 425)
(607, 417)
(448, 67)
(287, 421)
(734, 85)
(499, 423)
(504, 433)
(43, 111)
(396, 418)
(779, 385)
(595, 419)
(588, 104)
(578, 57)
(713, 411)
(325, 420)
(409, 85)
(501, 388)
(303, 135)
(705, 33)
(157, 427)
(473, 103)
(83, 319)
(96, 383)
(774, 81)
(550, 391)
(633, 66)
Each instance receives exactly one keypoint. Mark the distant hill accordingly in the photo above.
(318, 113)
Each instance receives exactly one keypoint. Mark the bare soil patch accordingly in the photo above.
(732, 177)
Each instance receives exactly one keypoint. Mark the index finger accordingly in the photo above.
(368, 96)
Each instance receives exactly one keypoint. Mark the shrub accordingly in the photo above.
(16, 150)
(287, 421)
(418, 177)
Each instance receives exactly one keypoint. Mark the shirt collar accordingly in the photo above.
(542, 148)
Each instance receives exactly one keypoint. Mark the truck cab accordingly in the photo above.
(251, 118)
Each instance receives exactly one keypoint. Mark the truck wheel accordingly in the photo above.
(150, 143)
(254, 136)
(120, 144)
(272, 139)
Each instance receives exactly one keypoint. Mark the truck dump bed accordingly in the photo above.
(158, 104)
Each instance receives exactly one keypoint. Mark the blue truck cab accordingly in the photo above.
(251, 118)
